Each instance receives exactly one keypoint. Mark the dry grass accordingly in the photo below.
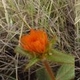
(18, 16)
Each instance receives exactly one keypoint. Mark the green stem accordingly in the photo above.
(49, 70)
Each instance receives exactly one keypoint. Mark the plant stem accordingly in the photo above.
(49, 70)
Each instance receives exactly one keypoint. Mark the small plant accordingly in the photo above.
(37, 45)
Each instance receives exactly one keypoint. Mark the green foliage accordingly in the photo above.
(65, 72)
(42, 74)
(67, 69)
(32, 62)
(59, 57)
(20, 50)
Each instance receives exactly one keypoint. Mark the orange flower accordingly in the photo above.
(36, 41)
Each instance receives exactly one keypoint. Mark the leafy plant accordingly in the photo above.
(32, 42)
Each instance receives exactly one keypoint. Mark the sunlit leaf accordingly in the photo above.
(42, 74)
(59, 57)
(66, 72)
(31, 62)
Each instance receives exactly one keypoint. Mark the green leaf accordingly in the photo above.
(19, 49)
(32, 62)
(42, 74)
(66, 72)
(59, 57)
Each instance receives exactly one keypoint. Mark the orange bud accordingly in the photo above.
(36, 41)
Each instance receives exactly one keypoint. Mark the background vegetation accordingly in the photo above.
(57, 17)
